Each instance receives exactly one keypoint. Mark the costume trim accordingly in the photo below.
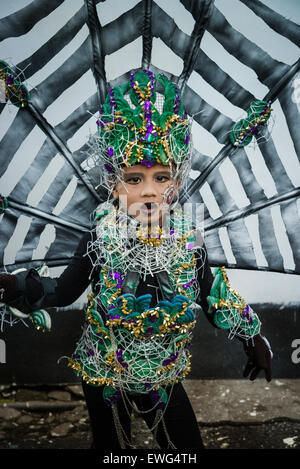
(230, 310)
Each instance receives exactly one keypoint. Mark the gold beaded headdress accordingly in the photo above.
(138, 125)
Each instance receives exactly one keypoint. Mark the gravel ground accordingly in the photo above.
(56, 418)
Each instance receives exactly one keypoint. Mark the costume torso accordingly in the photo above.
(140, 344)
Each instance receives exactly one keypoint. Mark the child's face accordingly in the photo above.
(143, 192)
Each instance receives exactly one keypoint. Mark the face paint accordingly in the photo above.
(169, 195)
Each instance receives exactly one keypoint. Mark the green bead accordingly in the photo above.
(163, 157)
(215, 289)
(223, 290)
(150, 138)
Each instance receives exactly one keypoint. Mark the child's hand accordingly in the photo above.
(259, 357)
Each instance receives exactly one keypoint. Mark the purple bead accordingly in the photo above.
(108, 168)
(110, 151)
(147, 106)
(254, 130)
(90, 352)
(187, 285)
(114, 316)
(147, 162)
(187, 139)
(114, 274)
(9, 79)
(149, 128)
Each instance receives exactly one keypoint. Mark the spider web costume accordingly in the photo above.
(231, 310)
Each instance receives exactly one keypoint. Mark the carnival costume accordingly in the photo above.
(135, 344)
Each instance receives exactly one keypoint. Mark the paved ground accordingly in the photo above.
(232, 414)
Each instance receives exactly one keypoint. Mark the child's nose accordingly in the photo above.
(148, 189)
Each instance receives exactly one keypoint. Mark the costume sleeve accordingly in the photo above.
(222, 305)
(229, 310)
(33, 292)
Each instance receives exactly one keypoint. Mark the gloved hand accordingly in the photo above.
(259, 355)
(13, 293)
(7, 287)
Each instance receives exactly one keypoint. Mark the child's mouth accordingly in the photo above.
(149, 208)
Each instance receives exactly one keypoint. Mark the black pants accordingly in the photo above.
(179, 418)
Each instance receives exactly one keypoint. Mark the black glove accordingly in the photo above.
(259, 355)
(24, 290)
(7, 287)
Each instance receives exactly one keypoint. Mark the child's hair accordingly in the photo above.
(142, 122)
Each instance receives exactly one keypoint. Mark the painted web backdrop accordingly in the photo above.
(223, 55)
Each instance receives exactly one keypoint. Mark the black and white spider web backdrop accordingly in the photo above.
(223, 54)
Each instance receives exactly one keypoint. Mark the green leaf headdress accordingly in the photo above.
(139, 125)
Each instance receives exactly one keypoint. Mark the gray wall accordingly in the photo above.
(32, 356)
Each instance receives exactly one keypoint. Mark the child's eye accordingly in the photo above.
(162, 178)
(133, 180)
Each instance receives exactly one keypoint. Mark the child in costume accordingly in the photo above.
(149, 275)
